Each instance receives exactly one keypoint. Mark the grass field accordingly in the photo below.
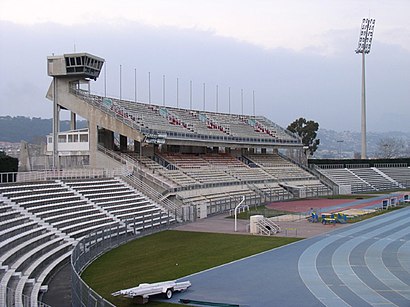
(170, 255)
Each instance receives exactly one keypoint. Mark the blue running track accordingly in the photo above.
(364, 264)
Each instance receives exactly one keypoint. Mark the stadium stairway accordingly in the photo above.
(41, 222)
(29, 248)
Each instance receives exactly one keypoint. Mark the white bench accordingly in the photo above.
(92, 189)
(28, 272)
(13, 222)
(7, 215)
(124, 215)
(12, 231)
(65, 208)
(40, 280)
(116, 209)
(23, 236)
(60, 217)
(40, 208)
(31, 192)
(79, 219)
(47, 200)
(13, 270)
(109, 193)
(105, 199)
(79, 233)
(121, 203)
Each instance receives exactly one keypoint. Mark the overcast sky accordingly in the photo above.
(297, 55)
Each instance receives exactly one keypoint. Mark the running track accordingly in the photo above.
(364, 264)
(330, 205)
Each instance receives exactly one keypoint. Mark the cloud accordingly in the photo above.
(295, 25)
(287, 83)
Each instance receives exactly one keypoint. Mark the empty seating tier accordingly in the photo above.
(121, 201)
(27, 251)
(42, 221)
(200, 125)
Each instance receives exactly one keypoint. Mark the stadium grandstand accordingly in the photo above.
(140, 166)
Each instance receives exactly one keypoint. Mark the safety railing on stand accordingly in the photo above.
(90, 248)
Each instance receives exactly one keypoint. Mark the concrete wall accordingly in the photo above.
(94, 116)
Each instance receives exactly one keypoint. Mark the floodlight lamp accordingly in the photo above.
(366, 36)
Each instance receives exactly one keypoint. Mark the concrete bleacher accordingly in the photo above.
(209, 174)
(401, 175)
(279, 168)
(121, 201)
(269, 160)
(344, 177)
(28, 250)
(376, 180)
(183, 123)
(50, 200)
(215, 194)
(42, 221)
(365, 178)
(250, 174)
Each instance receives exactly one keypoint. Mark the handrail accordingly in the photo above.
(314, 172)
(153, 194)
(124, 159)
(60, 174)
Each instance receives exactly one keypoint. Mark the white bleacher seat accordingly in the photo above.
(42, 277)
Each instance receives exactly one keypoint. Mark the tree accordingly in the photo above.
(7, 163)
(389, 147)
(307, 130)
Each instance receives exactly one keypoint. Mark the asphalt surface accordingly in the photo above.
(364, 264)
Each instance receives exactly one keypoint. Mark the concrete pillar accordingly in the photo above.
(73, 121)
(123, 143)
(56, 124)
(93, 140)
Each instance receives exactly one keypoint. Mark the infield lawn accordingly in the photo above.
(169, 255)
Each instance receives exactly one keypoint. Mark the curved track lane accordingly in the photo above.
(365, 264)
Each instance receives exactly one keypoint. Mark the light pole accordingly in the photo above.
(365, 42)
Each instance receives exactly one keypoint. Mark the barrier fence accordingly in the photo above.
(61, 174)
(90, 248)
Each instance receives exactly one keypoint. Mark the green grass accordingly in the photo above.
(170, 255)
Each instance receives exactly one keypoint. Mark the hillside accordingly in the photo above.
(333, 144)
(344, 144)
(31, 130)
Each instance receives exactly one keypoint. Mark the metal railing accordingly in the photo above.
(127, 160)
(384, 165)
(153, 194)
(90, 248)
(60, 174)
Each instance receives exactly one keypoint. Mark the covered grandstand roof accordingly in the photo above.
(178, 124)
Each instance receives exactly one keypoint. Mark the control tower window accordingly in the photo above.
(78, 60)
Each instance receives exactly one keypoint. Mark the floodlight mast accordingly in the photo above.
(365, 42)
